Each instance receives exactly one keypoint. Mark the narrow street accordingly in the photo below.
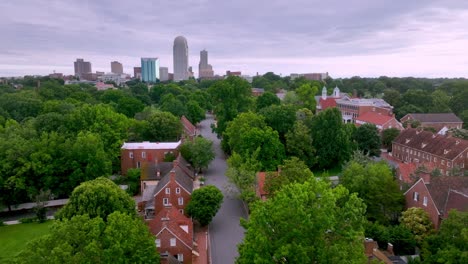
(225, 230)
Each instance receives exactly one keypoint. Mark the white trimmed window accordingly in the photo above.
(425, 201)
(165, 201)
(177, 190)
(138, 164)
(416, 196)
(168, 190)
(158, 242)
(181, 200)
(181, 211)
(143, 154)
(173, 242)
(130, 154)
(180, 257)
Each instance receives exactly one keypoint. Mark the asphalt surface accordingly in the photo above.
(225, 229)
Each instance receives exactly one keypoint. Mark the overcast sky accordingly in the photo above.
(427, 38)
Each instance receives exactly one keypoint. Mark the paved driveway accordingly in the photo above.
(225, 230)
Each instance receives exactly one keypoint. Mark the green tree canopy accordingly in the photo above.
(280, 117)
(204, 204)
(198, 152)
(266, 100)
(388, 135)
(417, 220)
(299, 143)
(368, 139)
(97, 198)
(120, 239)
(305, 223)
(292, 171)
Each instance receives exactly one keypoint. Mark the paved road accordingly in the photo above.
(225, 230)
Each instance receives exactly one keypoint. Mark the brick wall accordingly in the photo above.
(140, 156)
(430, 207)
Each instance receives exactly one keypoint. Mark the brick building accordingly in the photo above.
(134, 154)
(190, 131)
(351, 108)
(382, 122)
(438, 195)
(448, 154)
(435, 120)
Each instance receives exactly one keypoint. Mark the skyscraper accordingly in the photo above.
(149, 69)
(116, 67)
(180, 59)
(81, 67)
(204, 69)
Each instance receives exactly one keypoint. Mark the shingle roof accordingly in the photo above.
(449, 192)
(374, 118)
(189, 128)
(172, 219)
(436, 118)
(149, 171)
(183, 180)
(438, 145)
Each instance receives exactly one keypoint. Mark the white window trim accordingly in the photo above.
(158, 242)
(130, 154)
(168, 190)
(138, 164)
(143, 154)
(165, 201)
(173, 242)
(180, 257)
(177, 190)
(180, 200)
(425, 201)
(416, 196)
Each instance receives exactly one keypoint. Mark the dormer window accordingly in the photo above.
(457, 142)
(446, 151)
(407, 141)
(423, 145)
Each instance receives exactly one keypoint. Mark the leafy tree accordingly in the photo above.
(292, 171)
(198, 152)
(242, 173)
(41, 201)
(266, 100)
(291, 98)
(392, 97)
(440, 102)
(81, 239)
(402, 239)
(171, 104)
(450, 244)
(388, 135)
(299, 143)
(375, 185)
(204, 204)
(279, 117)
(133, 181)
(417, 220)
(97, 198)
(464, 117)
(368, 139)
(194, 112)
(306, 94)
(458, 101)
(163, 126)
(305, 223)
(330, 139)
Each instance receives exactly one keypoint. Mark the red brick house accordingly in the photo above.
(435, 120)
(134, 154)
(448, 154)
(257, 91)
(382, 122)
(190, 131)
(174, 235)
(438, 195)
(260, 189)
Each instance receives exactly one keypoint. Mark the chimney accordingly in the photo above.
(173, 175)
(390, 249)
(175, 163)
(408, 125)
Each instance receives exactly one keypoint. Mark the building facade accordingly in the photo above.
(435, 120)
(180, 56)
(351, 108)
(163, 74)
(149, 70)
(448, 154)
(82, 67)
(137, 72)
(382, 122)
(116, 67)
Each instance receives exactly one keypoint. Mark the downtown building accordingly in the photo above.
(163, 74)
(205, 70)
(116, 67)
(149, 70)
(180, 53)
(82, 67)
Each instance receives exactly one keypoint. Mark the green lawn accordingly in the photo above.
(13, 238)
(335, 171)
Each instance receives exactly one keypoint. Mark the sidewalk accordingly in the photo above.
(26, 206)
(15, 222)
(201, 238)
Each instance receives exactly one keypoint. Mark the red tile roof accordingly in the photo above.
(327, 103)
(449, 192)
(374, 118)
(171, 219)
(189, 128)
(406, 170)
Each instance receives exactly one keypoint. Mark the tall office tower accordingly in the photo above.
(149, 69)
(205, 70)
(81, 67)
(180, 59)
(116, 67)
(163, 74)
(137, 72)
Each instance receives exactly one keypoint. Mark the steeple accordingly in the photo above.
(324, 93)
(336, 92)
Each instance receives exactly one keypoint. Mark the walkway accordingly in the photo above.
(225, 230)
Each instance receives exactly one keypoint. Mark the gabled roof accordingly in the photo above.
(149, 170)
(448, 192)
(438, 145)
(151, 145)
(184, 181)
(374, 118)
(171, 219)
(189, 128)
(327, 103)
(435, 117)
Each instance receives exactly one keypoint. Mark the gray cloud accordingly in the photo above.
(252, 36)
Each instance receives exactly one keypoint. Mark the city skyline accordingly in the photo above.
(366, 38)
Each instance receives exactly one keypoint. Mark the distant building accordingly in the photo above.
(247, 78)
(100, 86)
(82, 67)
(137, 72)
(89, 76)
(163, 74)
(149, 69)
(310, 76)
(180, 56)
(351, 108)
(257, 91)
(190, 72)
(233, 73)
(382, 122)
(56, 75)
(435, 120)
(205, 70)
(113, 77)
(116, 67)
